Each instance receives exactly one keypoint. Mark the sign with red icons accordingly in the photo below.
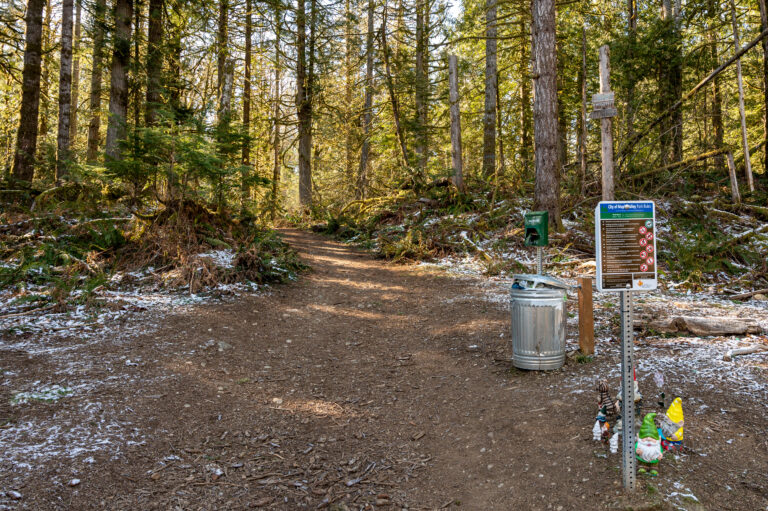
(621, 228)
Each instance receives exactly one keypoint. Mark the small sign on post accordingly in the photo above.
(625, 252)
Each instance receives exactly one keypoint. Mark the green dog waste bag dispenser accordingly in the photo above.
(537, 229)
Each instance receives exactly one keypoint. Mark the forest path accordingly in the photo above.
(363, 385)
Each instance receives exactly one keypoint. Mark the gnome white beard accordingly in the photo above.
(649, 449)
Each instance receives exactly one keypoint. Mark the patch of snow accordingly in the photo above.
(221, 258)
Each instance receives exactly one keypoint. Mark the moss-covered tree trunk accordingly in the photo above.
(26, 139)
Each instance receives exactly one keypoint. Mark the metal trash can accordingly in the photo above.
(539, 316)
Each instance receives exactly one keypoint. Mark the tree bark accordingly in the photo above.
(65, 92)
(276, 141)
(47, 63)
(96, 65)
(421, 86)
(348, 85)
(583, 133)
(118, 89)
(632, 33)
(362, 176)
(525, 99)
(717, 109)
(456, 158)
(222, 55)
(391, 88)
(545, 118)
(246, 153)
(303, 109)
(134, 84)
(742, 115)
(489, 115)
(26, 140)
(154, 60)
(174, 58)
(764, 26)
(76, 75)
(502, 166)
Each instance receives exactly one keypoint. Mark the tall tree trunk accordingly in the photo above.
(583, 114)
(246, 156)
(763, 27)
(348, 85)
(489, 115)
(526, 144)
(154, 60)
(65, 92)
(742, 115)
(276, 141)
(545, 118)
(671, 85)
(118, 89)
(500, 135)
(362, 176)
(717, 109)
(174, 58)
(134, 83)
(303, 108)
(75, 75)
(453, 96)
(421, 87)
(677, 84)
(26, 139)
(222, 49)
(47, 63)
(391, 88)
(632, 34)
(98, 20)
(562, 119)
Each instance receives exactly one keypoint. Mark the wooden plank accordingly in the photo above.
(603, 113)
(735, 195)
(586, 317)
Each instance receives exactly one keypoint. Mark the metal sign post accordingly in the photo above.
(539, 261)
(625, 253)
(628, 462)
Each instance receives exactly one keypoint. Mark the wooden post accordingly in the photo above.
(744, 143)
(586, 317)
(735, 195)
(606, 126)
(453, 85)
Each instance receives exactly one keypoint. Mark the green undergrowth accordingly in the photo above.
(702, 241)
(410, 227)
(65, 255)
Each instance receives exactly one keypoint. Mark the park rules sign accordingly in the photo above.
(625, 246)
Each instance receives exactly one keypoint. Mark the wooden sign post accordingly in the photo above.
(586, 317)
(603, 109)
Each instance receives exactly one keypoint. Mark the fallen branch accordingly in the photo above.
(31, 311)
(681, 163)
(742, 296)
(728, 357)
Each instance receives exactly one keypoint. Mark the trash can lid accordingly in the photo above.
(541, 281)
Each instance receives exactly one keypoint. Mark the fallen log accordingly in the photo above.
(702, 326)
(728, 357)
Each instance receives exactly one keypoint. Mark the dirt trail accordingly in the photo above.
(362, 385)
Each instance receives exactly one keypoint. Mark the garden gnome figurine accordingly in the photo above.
(648, 447)
(671, 426)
